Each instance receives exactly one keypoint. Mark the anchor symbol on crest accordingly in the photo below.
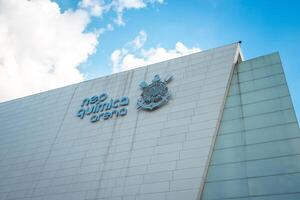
(155, 94)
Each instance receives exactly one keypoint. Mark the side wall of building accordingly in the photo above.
(257, 151)
(48, 153)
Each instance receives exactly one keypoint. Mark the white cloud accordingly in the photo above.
(130, 4)
(129, 58)
(121, 5)
(95, 7)
(40, 47)
(139, 40)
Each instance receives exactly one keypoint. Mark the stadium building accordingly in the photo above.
(206, 126)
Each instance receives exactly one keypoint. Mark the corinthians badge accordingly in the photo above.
(155, 94)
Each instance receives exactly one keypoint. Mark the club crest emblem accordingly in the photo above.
(155, 94)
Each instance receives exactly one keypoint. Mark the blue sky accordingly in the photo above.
(263, 26)
(66, 42)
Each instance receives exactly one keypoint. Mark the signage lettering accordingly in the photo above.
(100, 108)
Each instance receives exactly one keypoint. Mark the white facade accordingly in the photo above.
(47, 152)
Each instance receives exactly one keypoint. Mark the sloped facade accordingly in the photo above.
(228, 132)
(256, 154)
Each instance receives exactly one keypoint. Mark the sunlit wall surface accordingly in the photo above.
(51, 146)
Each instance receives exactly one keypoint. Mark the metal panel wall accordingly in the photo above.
(257, 150)
(46, 152)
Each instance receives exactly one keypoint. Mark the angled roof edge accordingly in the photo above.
(238, 57)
